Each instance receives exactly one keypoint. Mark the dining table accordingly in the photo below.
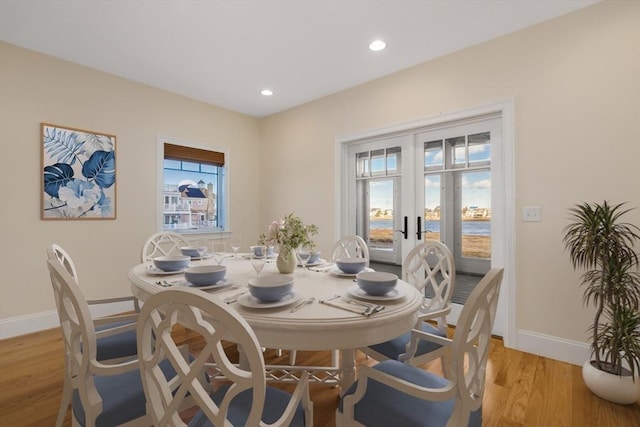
(326, 310)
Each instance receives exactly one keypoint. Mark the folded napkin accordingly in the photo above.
(354, 306)
(322, 268)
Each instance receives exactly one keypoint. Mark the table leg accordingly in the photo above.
(348, 366)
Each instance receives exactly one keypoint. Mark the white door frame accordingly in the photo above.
(503, 252)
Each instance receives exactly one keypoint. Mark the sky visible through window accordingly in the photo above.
(476, 187)
(182, 177)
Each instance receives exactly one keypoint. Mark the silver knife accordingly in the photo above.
(365, 312)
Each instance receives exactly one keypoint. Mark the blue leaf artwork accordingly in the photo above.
(79, 174)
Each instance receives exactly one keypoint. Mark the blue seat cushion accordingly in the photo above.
(275, 403)
(385, 406)
(392, 349)
(119, 345)
(122, 395)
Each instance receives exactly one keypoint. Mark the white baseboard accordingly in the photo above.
(21, 325)
(568, 351)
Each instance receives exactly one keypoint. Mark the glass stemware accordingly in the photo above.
(258, 261)
(303, 252)
(235, 245)
(219, 249)
(201, 247)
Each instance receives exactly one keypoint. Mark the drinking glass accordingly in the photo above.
(303, 252)
(235, 245)
(219, 249)
(258, 261)
(201, 247)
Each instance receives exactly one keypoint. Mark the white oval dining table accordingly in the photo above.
(314, 326)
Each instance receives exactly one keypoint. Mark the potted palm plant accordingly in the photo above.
(601, 244)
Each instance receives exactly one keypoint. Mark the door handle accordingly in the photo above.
(404, 231)
(419, 228)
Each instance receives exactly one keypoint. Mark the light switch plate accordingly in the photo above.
(531, 213)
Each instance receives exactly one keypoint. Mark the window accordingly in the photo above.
(193, 189)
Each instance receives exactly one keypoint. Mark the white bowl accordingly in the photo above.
(270, 288)
(315, 257)
(205, 275)
(376, 283)
(351, 265)
(191, 251)
(171, 263)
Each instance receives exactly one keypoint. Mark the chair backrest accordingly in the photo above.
(430, 267)
(470, 346)
(55, 252)
(351, 246)
(78, 335)
(204, 315)
(162, 244)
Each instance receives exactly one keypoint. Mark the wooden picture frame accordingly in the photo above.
(79, 174)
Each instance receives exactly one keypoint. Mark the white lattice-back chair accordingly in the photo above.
(351, 246)
(115, 335)
(429, 267)
(243, 398)
(102, 394)
(163, 244)
(396, 393)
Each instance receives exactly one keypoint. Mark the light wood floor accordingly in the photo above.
(521, 389)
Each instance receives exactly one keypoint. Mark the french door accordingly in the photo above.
(432, 183)
(454, 168)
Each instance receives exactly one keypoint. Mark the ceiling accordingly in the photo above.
(224, 52)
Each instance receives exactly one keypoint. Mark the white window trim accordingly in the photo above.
(160, 141)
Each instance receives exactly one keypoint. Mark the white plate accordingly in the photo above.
(314, 264)
(249, 301)
(205, 256)
(394, 294)
(337, 272)
(220, 284)
(272, 256)
(152, 269)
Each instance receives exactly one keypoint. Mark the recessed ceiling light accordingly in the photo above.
(266, 92)
(377, 45)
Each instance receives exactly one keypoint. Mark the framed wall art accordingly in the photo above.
(79, 173)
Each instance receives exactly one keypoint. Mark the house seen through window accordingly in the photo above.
(193, 189)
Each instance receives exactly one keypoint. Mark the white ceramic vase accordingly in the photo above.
(611, 387)
(286, 265)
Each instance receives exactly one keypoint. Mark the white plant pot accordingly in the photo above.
(611, 387)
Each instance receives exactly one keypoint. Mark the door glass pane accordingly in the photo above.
(393, 160)
(378, 162)
(433, 158)
(381, 214)
(362, 164)
(479, 149)
(432, 190)
(457, 147)
(476, 214)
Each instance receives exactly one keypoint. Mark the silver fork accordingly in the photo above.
(302, 304)
(234, 297)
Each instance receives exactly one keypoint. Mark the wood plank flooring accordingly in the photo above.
(521, 389)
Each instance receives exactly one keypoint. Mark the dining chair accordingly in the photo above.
(396, 393)
(102, 394)
(162, 244)
(351, 246)
(243, 398)
(115, 335)
(430, 267)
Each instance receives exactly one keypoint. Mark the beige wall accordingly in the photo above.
(575, 82)
(35, 88)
